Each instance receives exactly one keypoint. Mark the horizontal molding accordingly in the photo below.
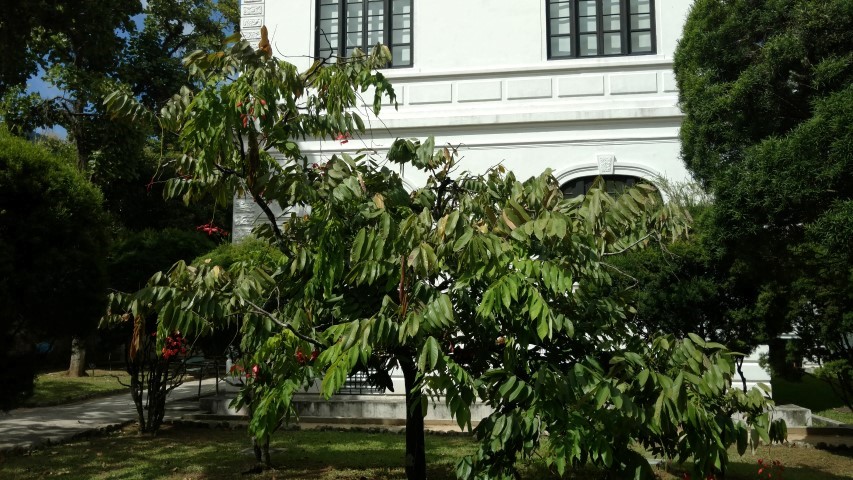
(529, 88)
(355, 145)
(448, 118)
(552, 67)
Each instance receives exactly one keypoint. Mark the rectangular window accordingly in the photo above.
(599, 28)
(344, 25)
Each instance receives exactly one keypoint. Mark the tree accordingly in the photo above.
(463, 284)
(466, 286)
(767, 91)
(53, 241)
(226, 128)
(684, 287)
(87, 51)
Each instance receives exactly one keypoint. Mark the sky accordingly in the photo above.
(46, 90)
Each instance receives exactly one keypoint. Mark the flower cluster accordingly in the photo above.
(175, 345)
(771, 469)
(249, 114)
(343, 137)
(238, 370)
(303, 359)
(211, 229)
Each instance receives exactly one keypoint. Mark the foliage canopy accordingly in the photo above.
(477, 287)
(767, 89)
(53, 241)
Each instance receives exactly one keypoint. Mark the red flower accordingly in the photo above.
(210, 229)
(343, 138)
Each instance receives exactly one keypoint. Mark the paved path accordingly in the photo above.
(26, 428)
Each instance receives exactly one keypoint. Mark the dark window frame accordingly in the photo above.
(388, 29)
(624, 31)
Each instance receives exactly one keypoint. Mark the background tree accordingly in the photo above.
(53, 242)
(88, 49)
(684, 287)
(226, 128)
(767, 92)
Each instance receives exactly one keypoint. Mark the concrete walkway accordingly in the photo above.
(27, 428)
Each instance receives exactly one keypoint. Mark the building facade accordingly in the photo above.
(583, 87)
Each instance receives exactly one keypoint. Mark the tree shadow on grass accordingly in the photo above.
(809, 392)
(180, 452)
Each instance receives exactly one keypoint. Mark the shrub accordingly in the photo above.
(53, 240)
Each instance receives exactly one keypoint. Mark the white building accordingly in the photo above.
(583, 87)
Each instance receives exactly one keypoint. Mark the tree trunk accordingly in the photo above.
(77, 368)
(739, 365)
(415, 442)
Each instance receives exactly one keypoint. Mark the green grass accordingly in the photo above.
(184, 452)
(842, 414)
(57, 388)
(814, 394)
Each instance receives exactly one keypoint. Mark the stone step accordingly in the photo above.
(373, 409)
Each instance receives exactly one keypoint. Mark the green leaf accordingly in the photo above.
(697, 339)
(643, 377)
(742, 438)
(602, 395)
(357, 245)
(463, 240)
(542, 328)
(507, 386)
(432, 347)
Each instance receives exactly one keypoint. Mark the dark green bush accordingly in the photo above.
(53, 242)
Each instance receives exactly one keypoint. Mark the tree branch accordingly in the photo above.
(608, 254)
(283, 324)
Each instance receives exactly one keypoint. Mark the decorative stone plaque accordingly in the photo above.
(605, 164)
(252, 34)
(249, 10)
(252, 22)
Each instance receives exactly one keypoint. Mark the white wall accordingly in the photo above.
(454, 34)
(481, 81)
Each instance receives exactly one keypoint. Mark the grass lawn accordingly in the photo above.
(814, 394)
(182, 452)
(58, 388)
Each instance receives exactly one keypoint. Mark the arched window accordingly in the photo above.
(614, 184)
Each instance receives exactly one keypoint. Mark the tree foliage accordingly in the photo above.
(85, 49)
(767, 90)
(478, 287)
(53, 240)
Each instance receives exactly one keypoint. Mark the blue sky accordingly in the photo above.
(46, 90)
